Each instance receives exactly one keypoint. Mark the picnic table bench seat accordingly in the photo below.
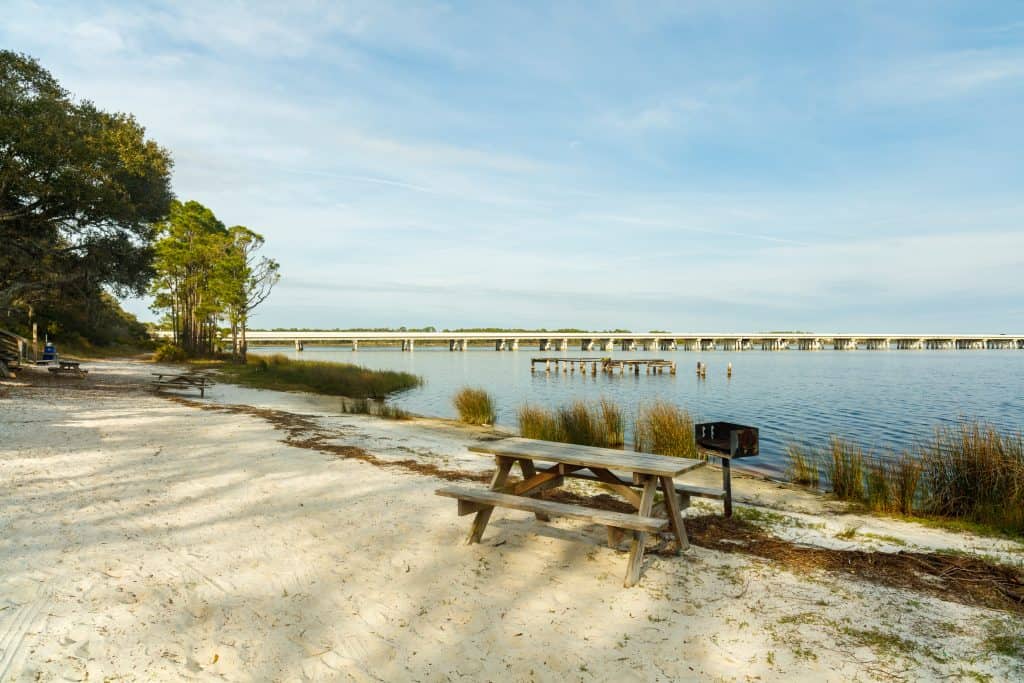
(68, 367)
(478, 499)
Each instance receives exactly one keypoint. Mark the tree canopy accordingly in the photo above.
(80, 191)
(206, 273)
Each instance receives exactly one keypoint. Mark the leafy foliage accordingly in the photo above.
(80, 190)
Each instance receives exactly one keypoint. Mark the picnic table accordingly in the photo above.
(545, 465)
(185, 380)
(68, 367)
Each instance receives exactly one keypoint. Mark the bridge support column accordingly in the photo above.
(628, 345)
(563, 345)
(408, 344)
(609, 345)
(587, 345)
(844, 344)
(515, 345)
(499, 345)
(298, 345)
(355, 344)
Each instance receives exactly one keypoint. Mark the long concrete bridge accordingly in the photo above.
(631, 341)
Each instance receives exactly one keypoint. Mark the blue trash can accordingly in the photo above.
(49, 352)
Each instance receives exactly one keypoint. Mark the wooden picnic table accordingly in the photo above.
(546, 464)
(68, 367)
(186, 380)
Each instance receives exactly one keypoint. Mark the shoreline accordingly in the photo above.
(178, 536)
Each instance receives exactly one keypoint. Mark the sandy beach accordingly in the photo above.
(258, 535)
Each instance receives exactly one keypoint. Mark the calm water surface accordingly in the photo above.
(884, 399)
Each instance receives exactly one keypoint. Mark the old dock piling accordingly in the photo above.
(652, 366)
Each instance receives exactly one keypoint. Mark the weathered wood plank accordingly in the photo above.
(493, 499)
(585, 456)
(636, 550)
(529, 471)
(675, 517)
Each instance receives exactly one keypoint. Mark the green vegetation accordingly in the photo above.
(588, 424)
(475, 406)
(205, 273)
(365, 406)
(665, 429)
(971, 474)
(80, 189)
(802, 467)
(335, 379)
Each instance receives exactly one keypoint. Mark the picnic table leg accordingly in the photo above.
(675, 516)
(636, 550)
(483, 516)
(529, 471)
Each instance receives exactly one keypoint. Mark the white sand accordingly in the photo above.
(142, 539)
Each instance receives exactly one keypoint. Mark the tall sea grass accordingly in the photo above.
(666, 429)
(974, 472)
(802, 465)
(475, 406)
(335, 379)
(588, 424)
(971, 472)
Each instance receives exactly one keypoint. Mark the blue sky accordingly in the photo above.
(693, 165)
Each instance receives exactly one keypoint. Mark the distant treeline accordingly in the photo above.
(431, 328)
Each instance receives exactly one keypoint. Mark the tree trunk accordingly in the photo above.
(245, 344)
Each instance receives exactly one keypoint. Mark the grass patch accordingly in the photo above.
(475, 406)
(665, 429)
(365, 406)
(970, 477)
(334, 379)
(802, 466)
(588, 424)
(881, 642)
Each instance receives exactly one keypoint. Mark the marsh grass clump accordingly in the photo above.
(904, 474)
(878, 493)
(475, 406)
(802, 466)
(973, 472)
(588, 424)
(666, 429)
(844, 468)
(538, 423)
(336, 379)
(379, 408)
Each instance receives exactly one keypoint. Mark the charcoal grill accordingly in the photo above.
(727, 440)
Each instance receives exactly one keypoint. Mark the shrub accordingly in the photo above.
(475, 406)
(169, 353)
(802, 466)
(665, 429)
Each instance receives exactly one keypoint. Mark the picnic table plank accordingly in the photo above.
(620, 520)
(585, 456)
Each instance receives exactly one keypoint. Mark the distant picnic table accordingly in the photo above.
(182, 380)
(68, 367)
(545, 465)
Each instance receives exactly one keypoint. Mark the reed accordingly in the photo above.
(844, 468)
(588, 424)
(364, 406)
(665, 429)
(335, 379)
(538, 423)
(878, 490)
(975, 473)
(475, 406)
(802, 466)
(904, 475)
